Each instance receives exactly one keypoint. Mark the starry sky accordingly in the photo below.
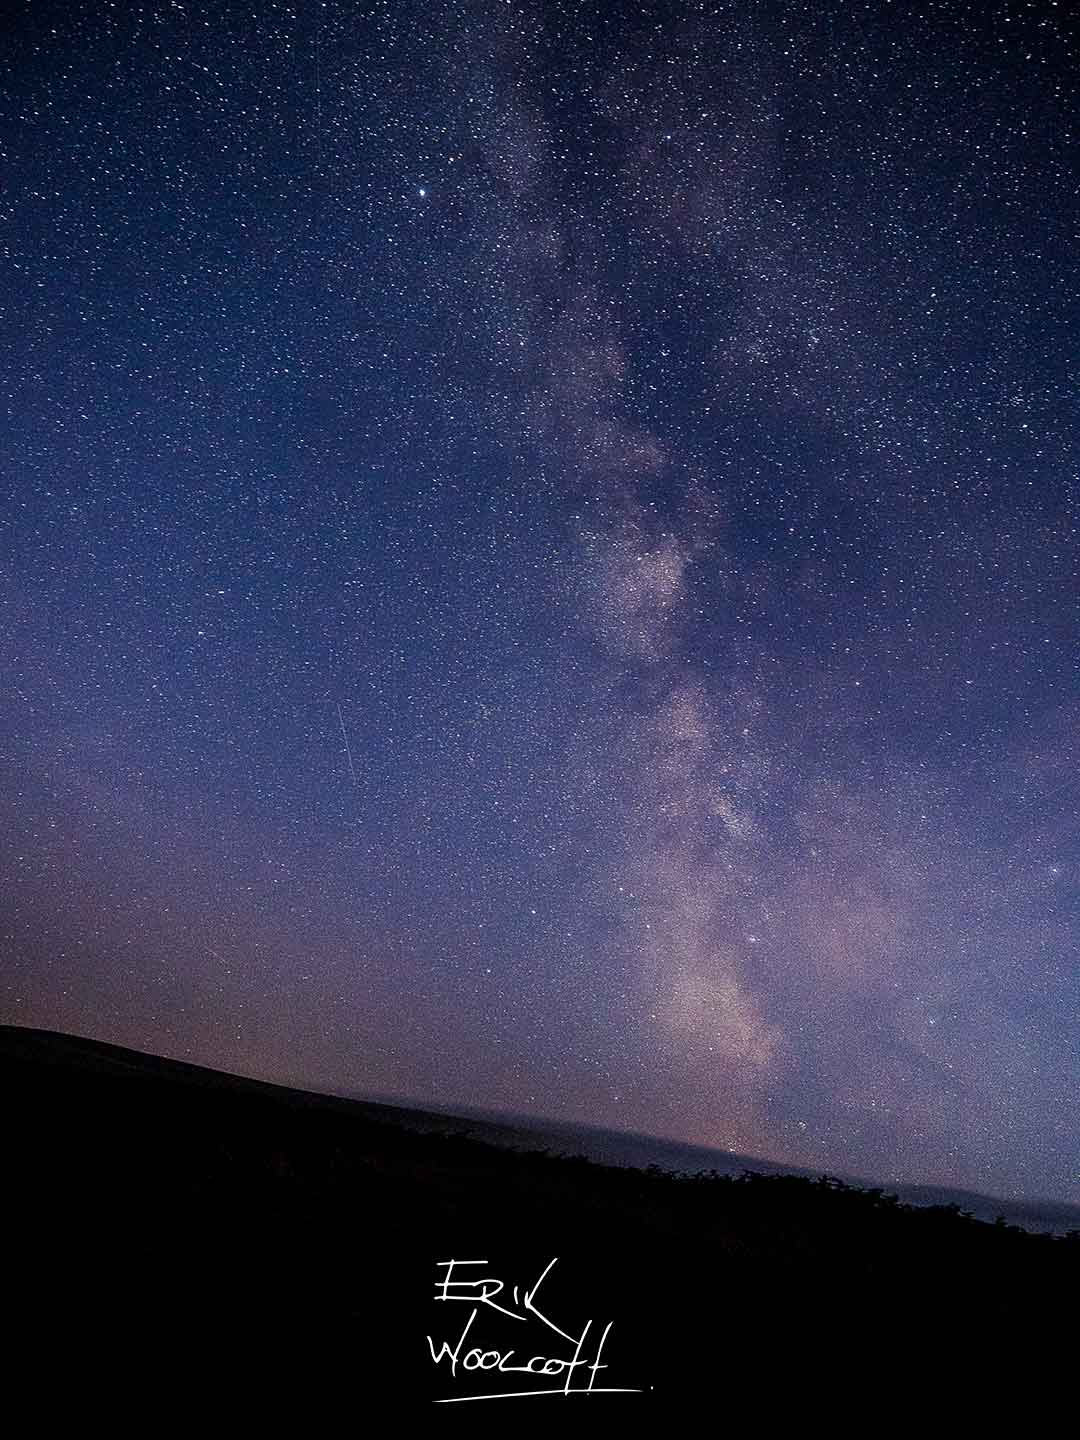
(538, 561)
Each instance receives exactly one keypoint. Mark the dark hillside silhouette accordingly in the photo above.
(183, 1218)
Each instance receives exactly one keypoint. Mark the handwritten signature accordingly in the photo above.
(481, 1293)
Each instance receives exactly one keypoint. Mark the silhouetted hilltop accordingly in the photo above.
(195, 1214)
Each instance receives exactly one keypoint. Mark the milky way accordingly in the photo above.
(539, 563)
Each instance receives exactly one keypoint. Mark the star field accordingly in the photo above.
(538, 562)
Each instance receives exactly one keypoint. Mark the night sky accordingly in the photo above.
(539, 557)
